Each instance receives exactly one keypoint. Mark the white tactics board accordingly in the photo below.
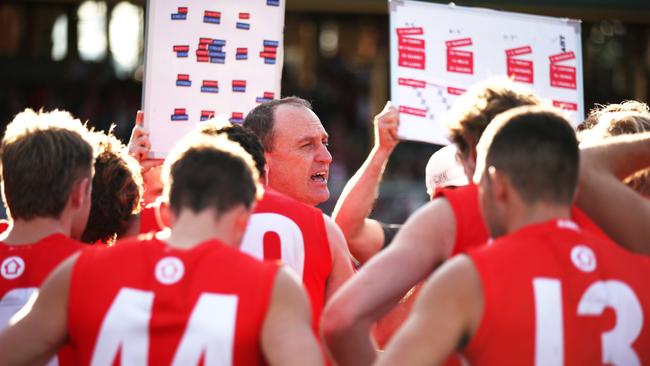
(438, 51)
(207, 58)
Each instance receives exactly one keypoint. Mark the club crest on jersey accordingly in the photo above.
(169, 270)
(583, 258)
(12, 267)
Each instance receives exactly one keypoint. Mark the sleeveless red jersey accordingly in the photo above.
(471, 231)
(555, 294)
(24, 268)
(285, 229)
(151, 304)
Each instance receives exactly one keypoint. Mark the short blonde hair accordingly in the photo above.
(42, 155)
(629, 117)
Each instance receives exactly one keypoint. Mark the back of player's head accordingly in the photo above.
(603, 114)
(241, 135)
(205, 172)
(626, 118)
(536, 148)
(260, 119)
(474, 110)
(117, 190)
(43, 155)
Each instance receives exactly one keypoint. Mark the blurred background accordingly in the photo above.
(87, 57)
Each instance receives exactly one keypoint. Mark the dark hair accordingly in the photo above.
(241, 135)
(537, 149)
(483, 102)
(117, 190)
(43, 155)
(208, 172)
(260, 119)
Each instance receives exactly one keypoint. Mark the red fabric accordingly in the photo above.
(471, 231)
(209, 268)
(38, 260)
(317, 256)
(510, 265)
(4, 225)
(148, 218)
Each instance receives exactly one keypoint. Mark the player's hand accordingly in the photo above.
(386, 123)
(139, 144)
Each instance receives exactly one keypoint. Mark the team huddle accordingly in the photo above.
(539, 253)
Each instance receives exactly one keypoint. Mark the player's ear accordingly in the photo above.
(81, 192)
(500, 184)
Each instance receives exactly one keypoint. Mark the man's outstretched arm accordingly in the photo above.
(448, 310)
(365, 236)
(618, 210)
(425, 240)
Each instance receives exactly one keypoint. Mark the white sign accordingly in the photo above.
(206, 58)
(438, 51)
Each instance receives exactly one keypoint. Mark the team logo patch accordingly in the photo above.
(583, 258)
(12, 267)
(169, 270)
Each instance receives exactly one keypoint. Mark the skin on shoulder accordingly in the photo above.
(447, 312)
(341, 263)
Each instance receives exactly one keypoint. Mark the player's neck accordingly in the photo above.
(536, 214)
(190, 228)
(31, 231)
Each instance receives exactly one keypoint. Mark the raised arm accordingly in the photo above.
(618, 210)
(365, 236)
(341, 260)
(425, 240)
(35, 334)
(287, 336)
(447, 311)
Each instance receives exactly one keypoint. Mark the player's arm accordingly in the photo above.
(365, 237)
(425, 240)
(341, 261)
(287, 335)
(37, 332)
(446, 313)
(618, 210)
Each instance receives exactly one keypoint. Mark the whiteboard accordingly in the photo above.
(438, 51)
(207, 58)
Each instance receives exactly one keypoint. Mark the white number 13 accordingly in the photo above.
(616, 343)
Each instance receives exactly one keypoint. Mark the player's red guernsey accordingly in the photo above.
(558, 295)
(471, 231)
(283, 228)
(24, 268)
(152, 304)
